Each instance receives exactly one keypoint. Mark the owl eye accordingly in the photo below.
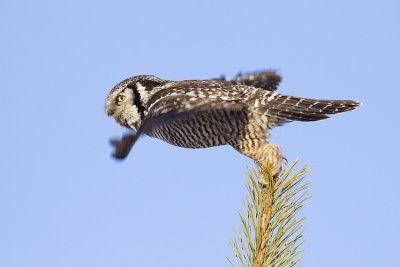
(120, 98)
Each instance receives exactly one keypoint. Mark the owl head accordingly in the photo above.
(127, 100)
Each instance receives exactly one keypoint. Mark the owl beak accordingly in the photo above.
(109, 111)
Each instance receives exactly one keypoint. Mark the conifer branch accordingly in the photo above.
(271, 234)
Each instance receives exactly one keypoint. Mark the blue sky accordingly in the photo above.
(65, 202)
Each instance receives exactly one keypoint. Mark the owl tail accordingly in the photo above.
(288, 108)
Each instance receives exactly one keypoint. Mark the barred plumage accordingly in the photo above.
(205, 113)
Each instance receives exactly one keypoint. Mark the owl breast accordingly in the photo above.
(202, 130)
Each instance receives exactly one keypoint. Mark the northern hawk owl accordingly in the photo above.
(206, 113)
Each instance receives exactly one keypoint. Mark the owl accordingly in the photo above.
(205, 113)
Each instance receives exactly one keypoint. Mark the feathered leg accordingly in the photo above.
(261, 151)
(252, 142)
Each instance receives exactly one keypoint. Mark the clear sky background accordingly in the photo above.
(65, 202)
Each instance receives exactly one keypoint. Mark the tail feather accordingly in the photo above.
(287, 108)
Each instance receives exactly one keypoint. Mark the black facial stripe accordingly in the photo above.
(137, 100)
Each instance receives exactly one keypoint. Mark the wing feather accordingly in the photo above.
(267, 80)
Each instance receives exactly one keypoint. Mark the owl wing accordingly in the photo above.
(267, 80)
(176, 103)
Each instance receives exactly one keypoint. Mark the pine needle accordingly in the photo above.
(271, 232)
